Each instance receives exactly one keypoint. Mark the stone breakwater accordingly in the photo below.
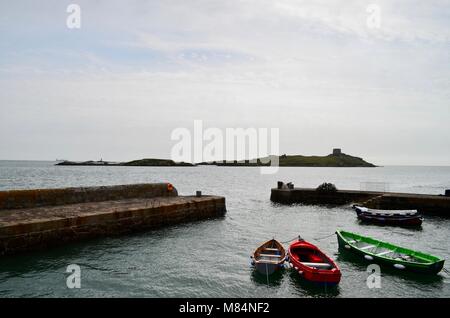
(36, 219)
(424, 203)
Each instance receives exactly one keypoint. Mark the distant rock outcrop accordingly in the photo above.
(141, 162)
(336, 159)
(157, 163)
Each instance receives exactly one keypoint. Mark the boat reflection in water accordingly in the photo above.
(274, 280)
(312, 289)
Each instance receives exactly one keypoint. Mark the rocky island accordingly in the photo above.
(335, 159)
(149, 162)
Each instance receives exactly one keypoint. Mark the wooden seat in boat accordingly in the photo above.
(270, 255)
(318, 265)
(269, 261)
(366, 247)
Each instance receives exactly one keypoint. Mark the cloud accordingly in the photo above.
(312, 68)
(400, 20)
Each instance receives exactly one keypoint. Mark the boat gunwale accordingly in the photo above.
(390, 217)
(359, 209)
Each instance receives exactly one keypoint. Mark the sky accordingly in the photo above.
(134, 71)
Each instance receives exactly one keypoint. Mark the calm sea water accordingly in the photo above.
(211, 258)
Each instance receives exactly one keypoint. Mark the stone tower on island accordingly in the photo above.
(337, 151)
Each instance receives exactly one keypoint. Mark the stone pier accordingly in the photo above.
(424, 203)
(36, 219)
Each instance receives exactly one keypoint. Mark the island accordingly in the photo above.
(157, 163)
(148, 162)
(336, 159)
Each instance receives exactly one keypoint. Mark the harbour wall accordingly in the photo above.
(17, 199)
(37, 219)
(424, 203)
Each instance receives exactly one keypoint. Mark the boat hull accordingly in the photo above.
(267, 269)
(401, 265)
(269, 257)
(383, 218)
(330, 276)
(399, 221)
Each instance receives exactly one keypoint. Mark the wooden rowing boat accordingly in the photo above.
(269, 257)
(313, 264)
(389, 217)
(389, 254)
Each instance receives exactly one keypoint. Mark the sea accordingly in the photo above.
(211, 258)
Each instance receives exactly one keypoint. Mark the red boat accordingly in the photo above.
(312, 264)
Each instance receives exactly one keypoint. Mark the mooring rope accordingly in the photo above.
(446, 271)
(321, 238)
(294, 238)
(316, 239)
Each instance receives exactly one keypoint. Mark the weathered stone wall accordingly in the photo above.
(311, 196)
(44, 233)
(36, 219)
(18, 199)
(439, 205)
(427, 204)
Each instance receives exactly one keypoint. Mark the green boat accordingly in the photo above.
(388, 254)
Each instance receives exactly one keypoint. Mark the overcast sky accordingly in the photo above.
(135, 70)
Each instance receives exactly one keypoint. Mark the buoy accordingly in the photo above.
(169, 187)
(368, 257)
(399, 266)
(347, 246)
